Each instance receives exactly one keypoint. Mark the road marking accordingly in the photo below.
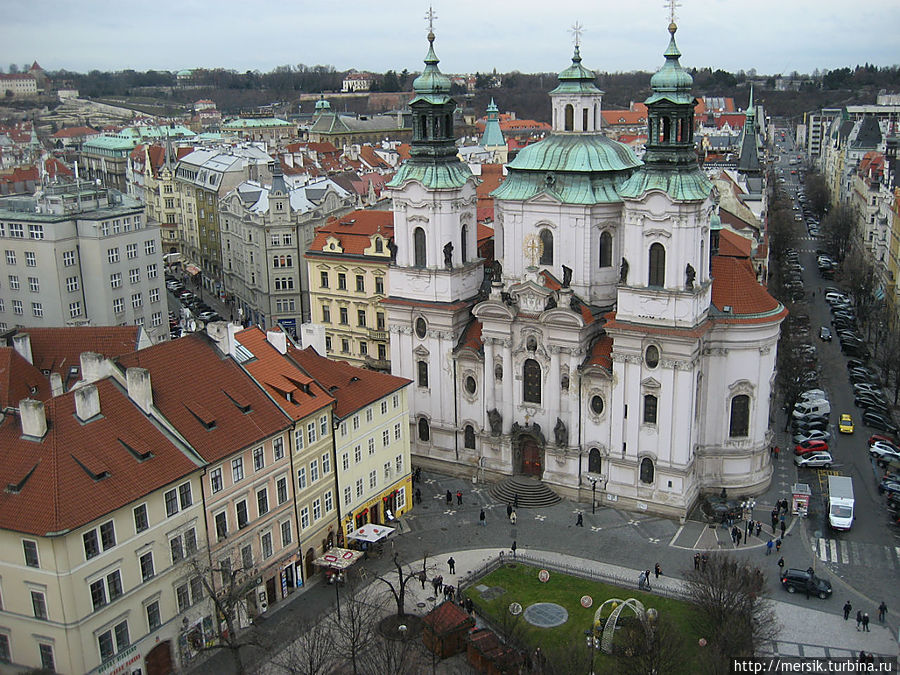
(855, 551)
(595, 528)
(541, 518)
(844, 557)
(889, 556)
(823, 550)
(834, 555)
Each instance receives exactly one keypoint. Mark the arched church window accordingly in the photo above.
(424, 430)
(421, 328)
(531, 381)
(584, 119)
(650, 405)
(469, 435)
(605, 249)
(422, 373)
(570, 117)
(546, 247)
(463, 243)
(418, 247)
(740, 416)
(657, 276)
(647, 470)
(666, 129)
(594, 462)
(448, 126)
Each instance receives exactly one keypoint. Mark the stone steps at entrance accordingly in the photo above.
(533, 494)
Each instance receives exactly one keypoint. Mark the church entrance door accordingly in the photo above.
(532, 464)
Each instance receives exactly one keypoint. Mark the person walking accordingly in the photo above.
(865, 622)
(758, 528)
(459, 497)
(422, 578)
(847, 608)
(508, 510)
(418, 496)
(647, 575)
(769, 546)
(516, 501)
(579, 521)
(778, 544)
(739, 537)
(514, 547)
(452, 565)
(774, 520)
(781, 563)
(657, 570)
(882, 610)
(449, 497)
(748, 528)
(703, 560)
(858, 619)
(696, 561)
(513, 518)
(782, 527)
(481, 519)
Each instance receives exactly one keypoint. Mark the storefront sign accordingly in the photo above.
(122, 662)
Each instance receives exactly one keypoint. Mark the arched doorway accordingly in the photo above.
(531, 457)
(308, 561)
(159, 659)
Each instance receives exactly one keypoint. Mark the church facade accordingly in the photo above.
(612, 350)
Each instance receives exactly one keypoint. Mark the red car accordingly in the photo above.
(874, 438)
(810, 446)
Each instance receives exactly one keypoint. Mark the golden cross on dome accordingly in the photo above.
(576, 30)
(672, 5)
(431, 16)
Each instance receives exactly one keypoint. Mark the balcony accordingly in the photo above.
(378, 364)
(378, 335)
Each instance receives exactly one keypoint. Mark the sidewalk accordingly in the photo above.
(805, 631)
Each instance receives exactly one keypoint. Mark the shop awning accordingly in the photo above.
(338, 558)
(192, 269)
(371, 532)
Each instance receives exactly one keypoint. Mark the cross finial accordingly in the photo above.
(430, 16)
(576, 30)
(672, 5)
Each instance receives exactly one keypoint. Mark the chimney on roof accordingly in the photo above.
(87, 402)
(22, 344)
(93, 367)
(277, 339)
(33, 418)
(56, 385)
(222, 334)
(139, 390)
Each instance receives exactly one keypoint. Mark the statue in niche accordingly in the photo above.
(689, 275)
(498, 372)
(448, 255)
(392, 247)
(567, 276)
(496, 271)
(623, 272)
(495, 419)
(564, 383)
(560, 433)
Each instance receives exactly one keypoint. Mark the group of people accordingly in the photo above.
(862, 618)
(700, 561)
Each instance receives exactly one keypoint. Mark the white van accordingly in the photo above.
(806, 408)
(812, 395)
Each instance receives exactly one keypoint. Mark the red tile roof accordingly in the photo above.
(54, 491)
(19, 379)
(75, 132)
(734, 245)
(735, 286)
(369, 156)
(59, 349)
(205, 396)
(353, 388)
(554, 284)
(471, 337)
(601, 353)
(281, 378)
(624, 117)
(323, 148)
(55, 167)
(448, 617)
(354, 231)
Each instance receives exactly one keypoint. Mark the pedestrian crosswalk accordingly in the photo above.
(860, 554)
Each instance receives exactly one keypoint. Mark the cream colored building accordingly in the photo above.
(102, 512)
(348, 262)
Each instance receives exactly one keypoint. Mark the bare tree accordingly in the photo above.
(840, 229)
(650, 648)
(733, 613)
(817, 195)
(404, 575)
(362, 609)
(311, 653)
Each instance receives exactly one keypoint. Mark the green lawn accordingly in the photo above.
(522, 585)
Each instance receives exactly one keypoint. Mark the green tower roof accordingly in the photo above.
(671, 82)
(432, 85)
(576, 79)
(493, 136)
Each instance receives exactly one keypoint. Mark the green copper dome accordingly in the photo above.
(322, 105)
(576, 79)
(432, 85)
(671, 82)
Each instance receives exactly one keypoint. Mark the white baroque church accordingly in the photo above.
(616, 350)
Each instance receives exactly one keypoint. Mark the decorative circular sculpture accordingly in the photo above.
(586, 601)
(609, 628)
(544, 576)
(515, 608)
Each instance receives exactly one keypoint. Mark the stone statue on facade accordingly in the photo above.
(448, 255)
(623, 272)
(495, 419)
(392, 247)
(551, 302)
(560, 433)
(496, 271)
(567, 276)
(689, 275)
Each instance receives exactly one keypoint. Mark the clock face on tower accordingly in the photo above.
(532, 247)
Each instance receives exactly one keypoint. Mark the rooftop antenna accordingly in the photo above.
(576, 30)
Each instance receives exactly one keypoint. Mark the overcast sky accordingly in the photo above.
(772, 36)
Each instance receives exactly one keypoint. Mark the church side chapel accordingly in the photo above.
(621, 347)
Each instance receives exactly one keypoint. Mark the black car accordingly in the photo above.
(805, 581)
(825, 334)
(855, 363)
(879, 421)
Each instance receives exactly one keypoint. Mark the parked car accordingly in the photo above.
(805, 581)
(855, 363)
(881, 451)
(874, 438)
(845, 426)
(812, 394)
(209, 316)
(824, 334)
(814, 460)
(812, 435)
(810, 423)
(878, 421)
(812, 446)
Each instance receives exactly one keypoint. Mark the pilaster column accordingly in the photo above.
(508, 376)
(554, 397)
(488, 374)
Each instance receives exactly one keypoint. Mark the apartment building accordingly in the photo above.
(101, 514)
(80, 254)
(371, 441)
(348, 262)
(269, 130)
(310, 407)
(203, 177)
(265, 230)
(244, 440)
(151, 180)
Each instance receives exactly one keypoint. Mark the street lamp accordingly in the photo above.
(593, 495)
(337, 578)
(593, 642)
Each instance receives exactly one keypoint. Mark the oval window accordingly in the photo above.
(596, 405)
(651, 356)
(470, 384)
(421, 326)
